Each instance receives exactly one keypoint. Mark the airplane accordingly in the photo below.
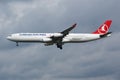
(60, 38)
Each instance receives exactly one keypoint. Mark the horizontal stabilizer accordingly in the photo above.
(105, 35)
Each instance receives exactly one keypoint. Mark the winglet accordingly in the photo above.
(104, 28)
(74, 25)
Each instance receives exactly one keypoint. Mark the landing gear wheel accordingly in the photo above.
(59, 46)
(17, 44)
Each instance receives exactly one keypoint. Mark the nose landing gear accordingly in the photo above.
(17, 44)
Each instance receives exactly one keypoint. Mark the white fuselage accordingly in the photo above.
(45, 37)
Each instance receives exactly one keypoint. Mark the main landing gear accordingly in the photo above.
(17, 44)
(59, 46)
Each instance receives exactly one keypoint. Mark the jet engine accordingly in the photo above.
(48, 44)
(47, 39)
(57, 35)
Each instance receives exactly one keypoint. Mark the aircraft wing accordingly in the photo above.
(66, 32)
(58, 40)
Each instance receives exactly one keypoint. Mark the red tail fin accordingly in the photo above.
(103, 29)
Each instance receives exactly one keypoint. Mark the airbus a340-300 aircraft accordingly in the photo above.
(62, 37)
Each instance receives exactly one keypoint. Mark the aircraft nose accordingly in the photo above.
(8, 37)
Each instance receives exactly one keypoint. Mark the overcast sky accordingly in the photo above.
(98, 60)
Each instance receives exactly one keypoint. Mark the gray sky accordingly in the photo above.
(98, 60)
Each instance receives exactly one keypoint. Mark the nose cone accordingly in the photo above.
(8, 37)
(11, 37)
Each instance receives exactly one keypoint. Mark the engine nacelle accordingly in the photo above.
(48, 44)
(57, 35)
(47, 39)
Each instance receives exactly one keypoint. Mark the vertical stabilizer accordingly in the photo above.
(104, 28)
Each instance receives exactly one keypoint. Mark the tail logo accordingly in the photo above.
(103, 29)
